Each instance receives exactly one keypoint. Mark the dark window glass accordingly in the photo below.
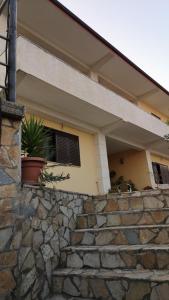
(65, 148)
(161, 173)
(50, 150)
(164, 174)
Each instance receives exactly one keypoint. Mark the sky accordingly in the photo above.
(138, 28)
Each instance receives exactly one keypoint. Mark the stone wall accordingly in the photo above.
(10, 118)
(44, 223)
(33, 233)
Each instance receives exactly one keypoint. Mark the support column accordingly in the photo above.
(12, 51)
(150, 169)
(102, 164)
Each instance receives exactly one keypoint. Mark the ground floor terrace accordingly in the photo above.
(99, 163)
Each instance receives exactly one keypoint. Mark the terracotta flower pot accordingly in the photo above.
(31, 169)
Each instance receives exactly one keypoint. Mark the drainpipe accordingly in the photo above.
(12, 50)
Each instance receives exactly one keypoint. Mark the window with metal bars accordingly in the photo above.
(65, 149)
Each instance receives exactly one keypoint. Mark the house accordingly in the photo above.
(105, 114)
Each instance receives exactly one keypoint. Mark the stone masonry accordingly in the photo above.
(45, 221)
(10, 118)
(119, 250)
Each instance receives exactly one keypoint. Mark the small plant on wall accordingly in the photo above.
(166, 137)
(36, 143)
(120, 184)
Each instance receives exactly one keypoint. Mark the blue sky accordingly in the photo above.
(138, 28)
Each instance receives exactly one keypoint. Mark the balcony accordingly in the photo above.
(49, 85)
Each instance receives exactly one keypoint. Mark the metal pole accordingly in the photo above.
(12, 50)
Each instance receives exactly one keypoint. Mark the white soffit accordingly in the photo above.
(46, 20)
(122, 74)
(160, 101)
(114, 146)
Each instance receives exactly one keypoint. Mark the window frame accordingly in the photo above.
(72, 143)
(159, 172)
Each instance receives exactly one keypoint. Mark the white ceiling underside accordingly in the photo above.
(114, 146)
(60, 31)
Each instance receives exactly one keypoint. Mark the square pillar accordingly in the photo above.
(103, 176)
(150, 170)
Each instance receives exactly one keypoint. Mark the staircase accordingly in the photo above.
(119, 251)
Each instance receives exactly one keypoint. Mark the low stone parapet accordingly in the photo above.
(46, 218)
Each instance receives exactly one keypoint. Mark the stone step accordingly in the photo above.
(141, 193)
(116, 218)
(135, 201)
(107, 285)
(65, 297)
(121, 235)
(121, 257)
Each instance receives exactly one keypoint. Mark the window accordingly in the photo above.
(161, 173)
(65, 148)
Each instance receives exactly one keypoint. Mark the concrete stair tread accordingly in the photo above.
(122, 228)
(137, 201)
(114, 257)
(130, 211)
(66, 297)
(123, 218)
(134, 194)
(117, 248)
(147, 275)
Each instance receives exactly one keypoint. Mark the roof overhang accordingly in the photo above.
(64, 34)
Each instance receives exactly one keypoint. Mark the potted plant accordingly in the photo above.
(34, 139)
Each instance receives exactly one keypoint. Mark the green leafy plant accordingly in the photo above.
(166, 137)
(47, 177)
(35, 138)
(37, 142)
(120, 184)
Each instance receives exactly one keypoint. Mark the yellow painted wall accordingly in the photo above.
(134, 167)
(150, 109)
(159, 159)
(84, 178)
